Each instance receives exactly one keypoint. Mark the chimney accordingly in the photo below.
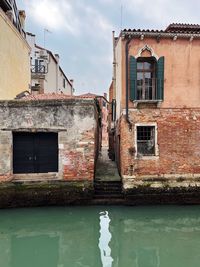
(35, 89)
(57, 57)
(22, 18)
(72, 83)
(9, 14)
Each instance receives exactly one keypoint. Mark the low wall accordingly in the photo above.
(73, 120)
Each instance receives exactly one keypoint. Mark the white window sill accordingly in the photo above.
(153, 157)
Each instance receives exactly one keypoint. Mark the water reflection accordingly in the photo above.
(87, 237)
(104, 240)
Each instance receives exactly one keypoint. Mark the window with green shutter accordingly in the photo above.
(133, 77)
(160, 78)
(146, 78)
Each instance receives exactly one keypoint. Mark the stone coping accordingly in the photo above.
(46, 102)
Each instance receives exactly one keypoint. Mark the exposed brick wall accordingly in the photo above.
(75, 121)
(5, 155)
(178, 143)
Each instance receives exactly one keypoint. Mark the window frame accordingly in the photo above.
(149, 124)
(64, 83)
(143, 70)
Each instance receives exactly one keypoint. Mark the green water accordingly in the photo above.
(162, 236)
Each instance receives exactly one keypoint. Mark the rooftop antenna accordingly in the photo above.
(121, 17)
(45, 31)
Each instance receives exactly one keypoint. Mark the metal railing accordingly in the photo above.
(38, 69)
(146, 89)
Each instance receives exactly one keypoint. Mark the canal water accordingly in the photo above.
(160, 236)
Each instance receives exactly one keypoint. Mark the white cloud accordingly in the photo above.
(160, 13)
(97, 24)
(52, 14)
(74, 17)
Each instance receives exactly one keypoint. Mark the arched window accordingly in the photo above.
(146, 76)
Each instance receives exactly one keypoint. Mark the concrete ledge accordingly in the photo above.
(176, 195)
(49, 193)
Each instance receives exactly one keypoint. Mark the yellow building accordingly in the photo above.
(15, 59)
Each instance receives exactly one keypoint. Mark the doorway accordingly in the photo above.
(35, 152)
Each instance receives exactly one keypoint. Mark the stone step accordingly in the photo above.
(116, 190)
(108, 196)
(105, 186)
(108, 183)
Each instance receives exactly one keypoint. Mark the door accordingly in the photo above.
(35, 152)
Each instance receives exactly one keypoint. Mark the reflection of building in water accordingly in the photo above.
(69, 238)
(32, 251)
(104, 240)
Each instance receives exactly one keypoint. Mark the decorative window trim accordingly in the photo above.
(148, 48)
(154, 124)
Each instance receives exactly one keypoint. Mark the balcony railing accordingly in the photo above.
(38, 69)
(147, 89)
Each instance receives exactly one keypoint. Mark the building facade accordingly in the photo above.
(156, 93)
(104, 113)
(14, 51)
(43, 141)
(46, 74)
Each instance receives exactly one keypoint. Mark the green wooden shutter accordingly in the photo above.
(160, 78)
(133, 77)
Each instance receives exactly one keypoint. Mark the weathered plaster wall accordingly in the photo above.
(15, 60)
(181, 70)
(178, 160)
(75, 122)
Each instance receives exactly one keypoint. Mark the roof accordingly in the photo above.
(178, 28)
(183, 27)
(31, 34)
(91, 95)
(88, 95)
(49, 97)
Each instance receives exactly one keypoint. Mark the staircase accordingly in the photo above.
(108, 192)
(107, 185)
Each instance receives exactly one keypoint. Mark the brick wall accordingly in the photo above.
(178, 136)
(76, 123)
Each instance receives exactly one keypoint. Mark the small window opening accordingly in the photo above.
(146, 140)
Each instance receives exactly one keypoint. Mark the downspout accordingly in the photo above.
(127, 83)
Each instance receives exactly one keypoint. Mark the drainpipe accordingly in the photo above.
(57, 72)
(127, 84)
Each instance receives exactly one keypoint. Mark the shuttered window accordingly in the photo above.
(146, 76)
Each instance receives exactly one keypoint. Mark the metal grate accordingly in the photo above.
(146, 140)
(146, 89)
(38, 69)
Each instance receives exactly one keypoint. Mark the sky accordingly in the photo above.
(81, 31)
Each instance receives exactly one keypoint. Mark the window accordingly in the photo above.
(38, 67)
(113, 110)
(64, 82)
(146, 76)
(146, 81)
(146, 141)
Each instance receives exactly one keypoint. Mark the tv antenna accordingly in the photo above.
(121, 19)
(45, 32)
